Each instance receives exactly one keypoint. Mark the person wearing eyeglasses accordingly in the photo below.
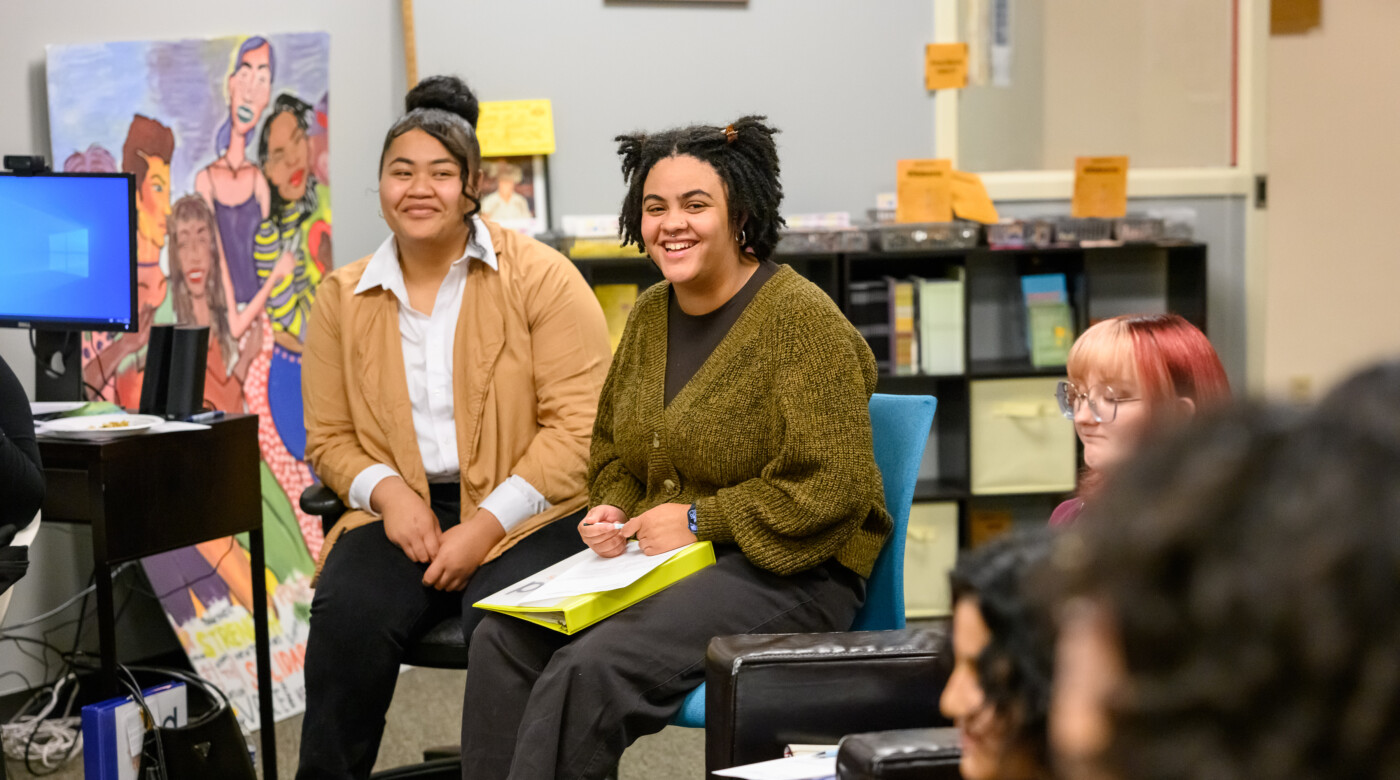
(1128, 375)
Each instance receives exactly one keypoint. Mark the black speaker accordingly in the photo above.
(155, 385)
(189, 351)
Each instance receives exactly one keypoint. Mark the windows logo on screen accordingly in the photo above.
(68, 252)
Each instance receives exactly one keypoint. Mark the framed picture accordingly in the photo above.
(514, 193)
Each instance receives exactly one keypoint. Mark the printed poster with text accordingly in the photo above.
(227, 140)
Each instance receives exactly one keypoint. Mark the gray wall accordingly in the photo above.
(842, 79)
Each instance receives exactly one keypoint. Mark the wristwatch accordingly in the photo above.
(692, 523)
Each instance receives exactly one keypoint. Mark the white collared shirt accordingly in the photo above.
(427, 362)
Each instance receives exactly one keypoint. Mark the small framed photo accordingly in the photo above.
(514, 193)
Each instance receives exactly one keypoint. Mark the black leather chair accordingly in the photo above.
(765, 691)
(909, 754)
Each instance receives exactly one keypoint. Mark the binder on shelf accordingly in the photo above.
(583, 589)
(904, 337)
(870, 313)
(941, 325)
(617, 301)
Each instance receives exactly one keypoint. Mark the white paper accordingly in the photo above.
(175, 426)
(37, 408)
(817, 767)
(583, 572)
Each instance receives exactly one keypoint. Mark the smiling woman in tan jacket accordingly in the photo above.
(451, 382)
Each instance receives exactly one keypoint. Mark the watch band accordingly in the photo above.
(693, 521)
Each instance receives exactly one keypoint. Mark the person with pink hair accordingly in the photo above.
(1128, 375)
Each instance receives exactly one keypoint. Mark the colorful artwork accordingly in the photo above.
(227, 140)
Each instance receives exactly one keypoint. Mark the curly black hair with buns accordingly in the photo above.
(746, 159)
(445, 108)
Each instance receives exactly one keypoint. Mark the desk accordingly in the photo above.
(131, 490)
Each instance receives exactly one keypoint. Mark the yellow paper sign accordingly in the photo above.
(945, 66)
(516, 128)
(923, 192)
(970, 199)
(1100, 187)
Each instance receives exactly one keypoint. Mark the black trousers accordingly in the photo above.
(370, 604)
(542, 705)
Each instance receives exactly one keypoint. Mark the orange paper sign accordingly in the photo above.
(1100, 187)
(970, 198)
(923, 191)
(945, 66)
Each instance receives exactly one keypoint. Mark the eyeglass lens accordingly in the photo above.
(1103, 402)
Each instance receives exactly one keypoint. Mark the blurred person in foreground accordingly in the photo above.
(999, 689)
(1232, 596)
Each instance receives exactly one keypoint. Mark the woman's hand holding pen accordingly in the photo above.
(600, 530)
(662, 528)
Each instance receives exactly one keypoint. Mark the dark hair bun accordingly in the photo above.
(447, 93)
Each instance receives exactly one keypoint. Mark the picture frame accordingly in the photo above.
(515, 193)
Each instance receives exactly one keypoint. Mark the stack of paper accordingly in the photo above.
(819, 766)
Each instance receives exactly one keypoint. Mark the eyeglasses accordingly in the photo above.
(1103, 401)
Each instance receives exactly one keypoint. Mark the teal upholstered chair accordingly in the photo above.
(900, 427)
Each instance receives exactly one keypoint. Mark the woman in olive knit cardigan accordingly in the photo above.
(735, 412)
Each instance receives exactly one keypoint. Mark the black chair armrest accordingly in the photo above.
(764, 691)
(909, 754)
(321, 501)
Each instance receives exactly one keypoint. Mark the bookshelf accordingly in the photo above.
(1101, 282)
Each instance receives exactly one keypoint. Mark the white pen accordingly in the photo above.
(614, 525)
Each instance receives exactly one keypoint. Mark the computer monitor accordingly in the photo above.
(68, 251)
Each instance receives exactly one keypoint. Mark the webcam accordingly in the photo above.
(26, 163)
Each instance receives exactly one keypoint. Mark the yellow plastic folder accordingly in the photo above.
(530, 598)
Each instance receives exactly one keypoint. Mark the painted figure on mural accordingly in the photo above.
(285, 152)
(116, 370)
(94, 159)
(197, 285)
(234, 187)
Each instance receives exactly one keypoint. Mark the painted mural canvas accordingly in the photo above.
(227, 139)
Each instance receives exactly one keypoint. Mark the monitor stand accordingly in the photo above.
(58, 365)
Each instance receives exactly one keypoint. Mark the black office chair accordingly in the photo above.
(443, 647)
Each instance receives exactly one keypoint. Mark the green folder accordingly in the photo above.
(575, 613)
(1052, 333)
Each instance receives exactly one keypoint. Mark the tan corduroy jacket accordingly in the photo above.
(530, 355)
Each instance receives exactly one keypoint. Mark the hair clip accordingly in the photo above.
(730, 134)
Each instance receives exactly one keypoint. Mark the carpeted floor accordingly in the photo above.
(427, 711)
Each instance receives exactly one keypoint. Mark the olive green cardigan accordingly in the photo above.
(770, 439)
